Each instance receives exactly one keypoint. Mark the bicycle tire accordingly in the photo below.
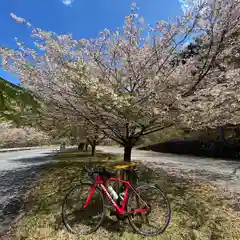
(168, 208)
(102, 215)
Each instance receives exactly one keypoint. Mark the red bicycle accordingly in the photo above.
(148, 214)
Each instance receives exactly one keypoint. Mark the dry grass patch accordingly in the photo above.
(200, 212)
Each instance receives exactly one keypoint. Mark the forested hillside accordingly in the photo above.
(14, 100)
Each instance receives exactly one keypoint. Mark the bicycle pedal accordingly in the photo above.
(124, 216)
(113, 213)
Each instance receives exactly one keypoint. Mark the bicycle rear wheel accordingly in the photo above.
(83, 221)
(154, 222)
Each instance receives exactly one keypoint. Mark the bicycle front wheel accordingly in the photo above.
(83, 221)
(155, 221)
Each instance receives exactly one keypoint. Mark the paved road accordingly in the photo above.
(17, 171)
(217, 172)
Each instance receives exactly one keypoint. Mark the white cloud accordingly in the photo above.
(67, 2)
(187, 5)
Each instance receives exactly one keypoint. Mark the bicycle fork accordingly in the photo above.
(92, 191)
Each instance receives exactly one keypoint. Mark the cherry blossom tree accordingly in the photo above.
(62, 124)
(212, 100)
(123, 82)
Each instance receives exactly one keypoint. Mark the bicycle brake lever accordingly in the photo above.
(86, 169)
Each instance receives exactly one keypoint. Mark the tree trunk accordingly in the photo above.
(127, 153)
(81, 146)
(237, 131)
(93, 149)
(222, 134)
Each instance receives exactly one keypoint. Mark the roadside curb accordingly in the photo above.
(30, 148)
(16, 150)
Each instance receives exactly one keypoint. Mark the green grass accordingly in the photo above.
(200, 212)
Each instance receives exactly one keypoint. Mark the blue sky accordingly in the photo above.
(83, 19)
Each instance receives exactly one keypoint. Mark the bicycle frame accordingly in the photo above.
(119, 209)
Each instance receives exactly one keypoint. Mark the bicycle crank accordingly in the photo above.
(120, 216)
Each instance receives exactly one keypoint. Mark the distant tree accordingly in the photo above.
(62, 124)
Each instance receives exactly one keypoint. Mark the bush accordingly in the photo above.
(11, 136)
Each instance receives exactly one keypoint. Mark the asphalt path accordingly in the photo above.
(18, 170)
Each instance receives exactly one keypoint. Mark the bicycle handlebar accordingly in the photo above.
(86, 169)
(100, 171)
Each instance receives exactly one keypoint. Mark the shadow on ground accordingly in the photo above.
(31, 160)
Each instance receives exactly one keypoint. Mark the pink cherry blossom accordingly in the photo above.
(125, 82)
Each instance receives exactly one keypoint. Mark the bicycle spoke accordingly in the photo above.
(154, 221)
(81, 220)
